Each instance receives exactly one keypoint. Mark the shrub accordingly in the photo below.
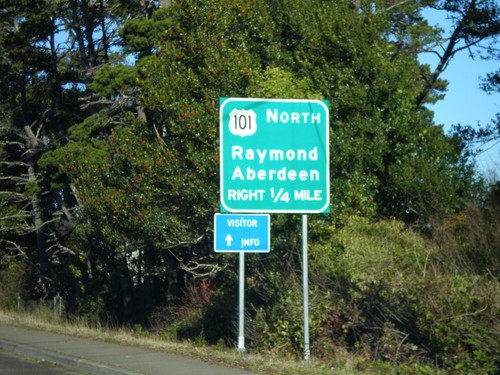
(390, 298)
(13, 278)
(459, 315)
(470, 240)
(275, 324)
(205, 315)
(378, 290)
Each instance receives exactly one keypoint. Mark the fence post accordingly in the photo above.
(57, 306)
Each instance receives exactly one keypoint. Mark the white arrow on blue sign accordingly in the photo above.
(242, 233)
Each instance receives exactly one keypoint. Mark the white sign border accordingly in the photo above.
(221, 155)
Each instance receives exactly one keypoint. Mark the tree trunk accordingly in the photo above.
(148, 285)
(126, 290)
(76, 26)
(86, 16)
(105, 42)
(172, 270)
(32, 145)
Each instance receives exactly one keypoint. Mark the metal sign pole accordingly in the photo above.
(305, 282)
(241, 322)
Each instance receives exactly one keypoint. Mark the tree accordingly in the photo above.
(476, 27)
(27, 123)
(191, 53)
(120, 112)
(50, 49)
(365, 61)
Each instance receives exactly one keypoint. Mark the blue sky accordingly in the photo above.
(465, 103)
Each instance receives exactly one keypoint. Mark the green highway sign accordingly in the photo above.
(274, 155)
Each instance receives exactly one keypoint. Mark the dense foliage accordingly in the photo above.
(109, 175)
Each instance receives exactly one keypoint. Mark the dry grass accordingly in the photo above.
(262, 364)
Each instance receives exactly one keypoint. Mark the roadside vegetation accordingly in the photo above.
(109, 179)
(384, 299)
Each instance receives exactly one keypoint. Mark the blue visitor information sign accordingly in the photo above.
(248, 233)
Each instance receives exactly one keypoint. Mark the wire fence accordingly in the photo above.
(54, 305)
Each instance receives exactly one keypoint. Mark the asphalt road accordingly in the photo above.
(101, 358)
(14, 364)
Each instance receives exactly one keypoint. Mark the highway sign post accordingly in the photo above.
(242, 234)
(274, 155)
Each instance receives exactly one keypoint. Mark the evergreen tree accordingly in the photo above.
(110, 126)
(50, 50)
